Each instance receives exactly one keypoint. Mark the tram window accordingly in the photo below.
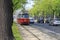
(26, 16)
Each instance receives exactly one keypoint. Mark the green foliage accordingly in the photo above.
(16, 33)
(48, 7)
(18, 3)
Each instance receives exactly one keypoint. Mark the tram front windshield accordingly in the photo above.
(25, 16)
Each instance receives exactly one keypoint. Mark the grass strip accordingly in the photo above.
(16, 32)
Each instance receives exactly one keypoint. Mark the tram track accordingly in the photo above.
(30, 32)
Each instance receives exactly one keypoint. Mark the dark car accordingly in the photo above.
(47, 20)
(40, 20)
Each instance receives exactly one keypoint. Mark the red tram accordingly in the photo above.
(23, 18)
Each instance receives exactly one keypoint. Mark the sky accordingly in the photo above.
(29, 4)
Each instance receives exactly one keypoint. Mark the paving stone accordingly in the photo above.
(28, 36)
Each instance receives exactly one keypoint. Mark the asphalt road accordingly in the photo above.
(51, 28)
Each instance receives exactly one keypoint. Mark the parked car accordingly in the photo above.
(47, 20)
(31, 19)
(40, 20)
(55, 22)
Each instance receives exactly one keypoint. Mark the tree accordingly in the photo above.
(18, 4)
(6, 20)
(50, 7)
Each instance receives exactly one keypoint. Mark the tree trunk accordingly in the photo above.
(53, 14)
(6, 20)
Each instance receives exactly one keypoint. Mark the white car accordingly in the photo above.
(54, 22)
(31, 19)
